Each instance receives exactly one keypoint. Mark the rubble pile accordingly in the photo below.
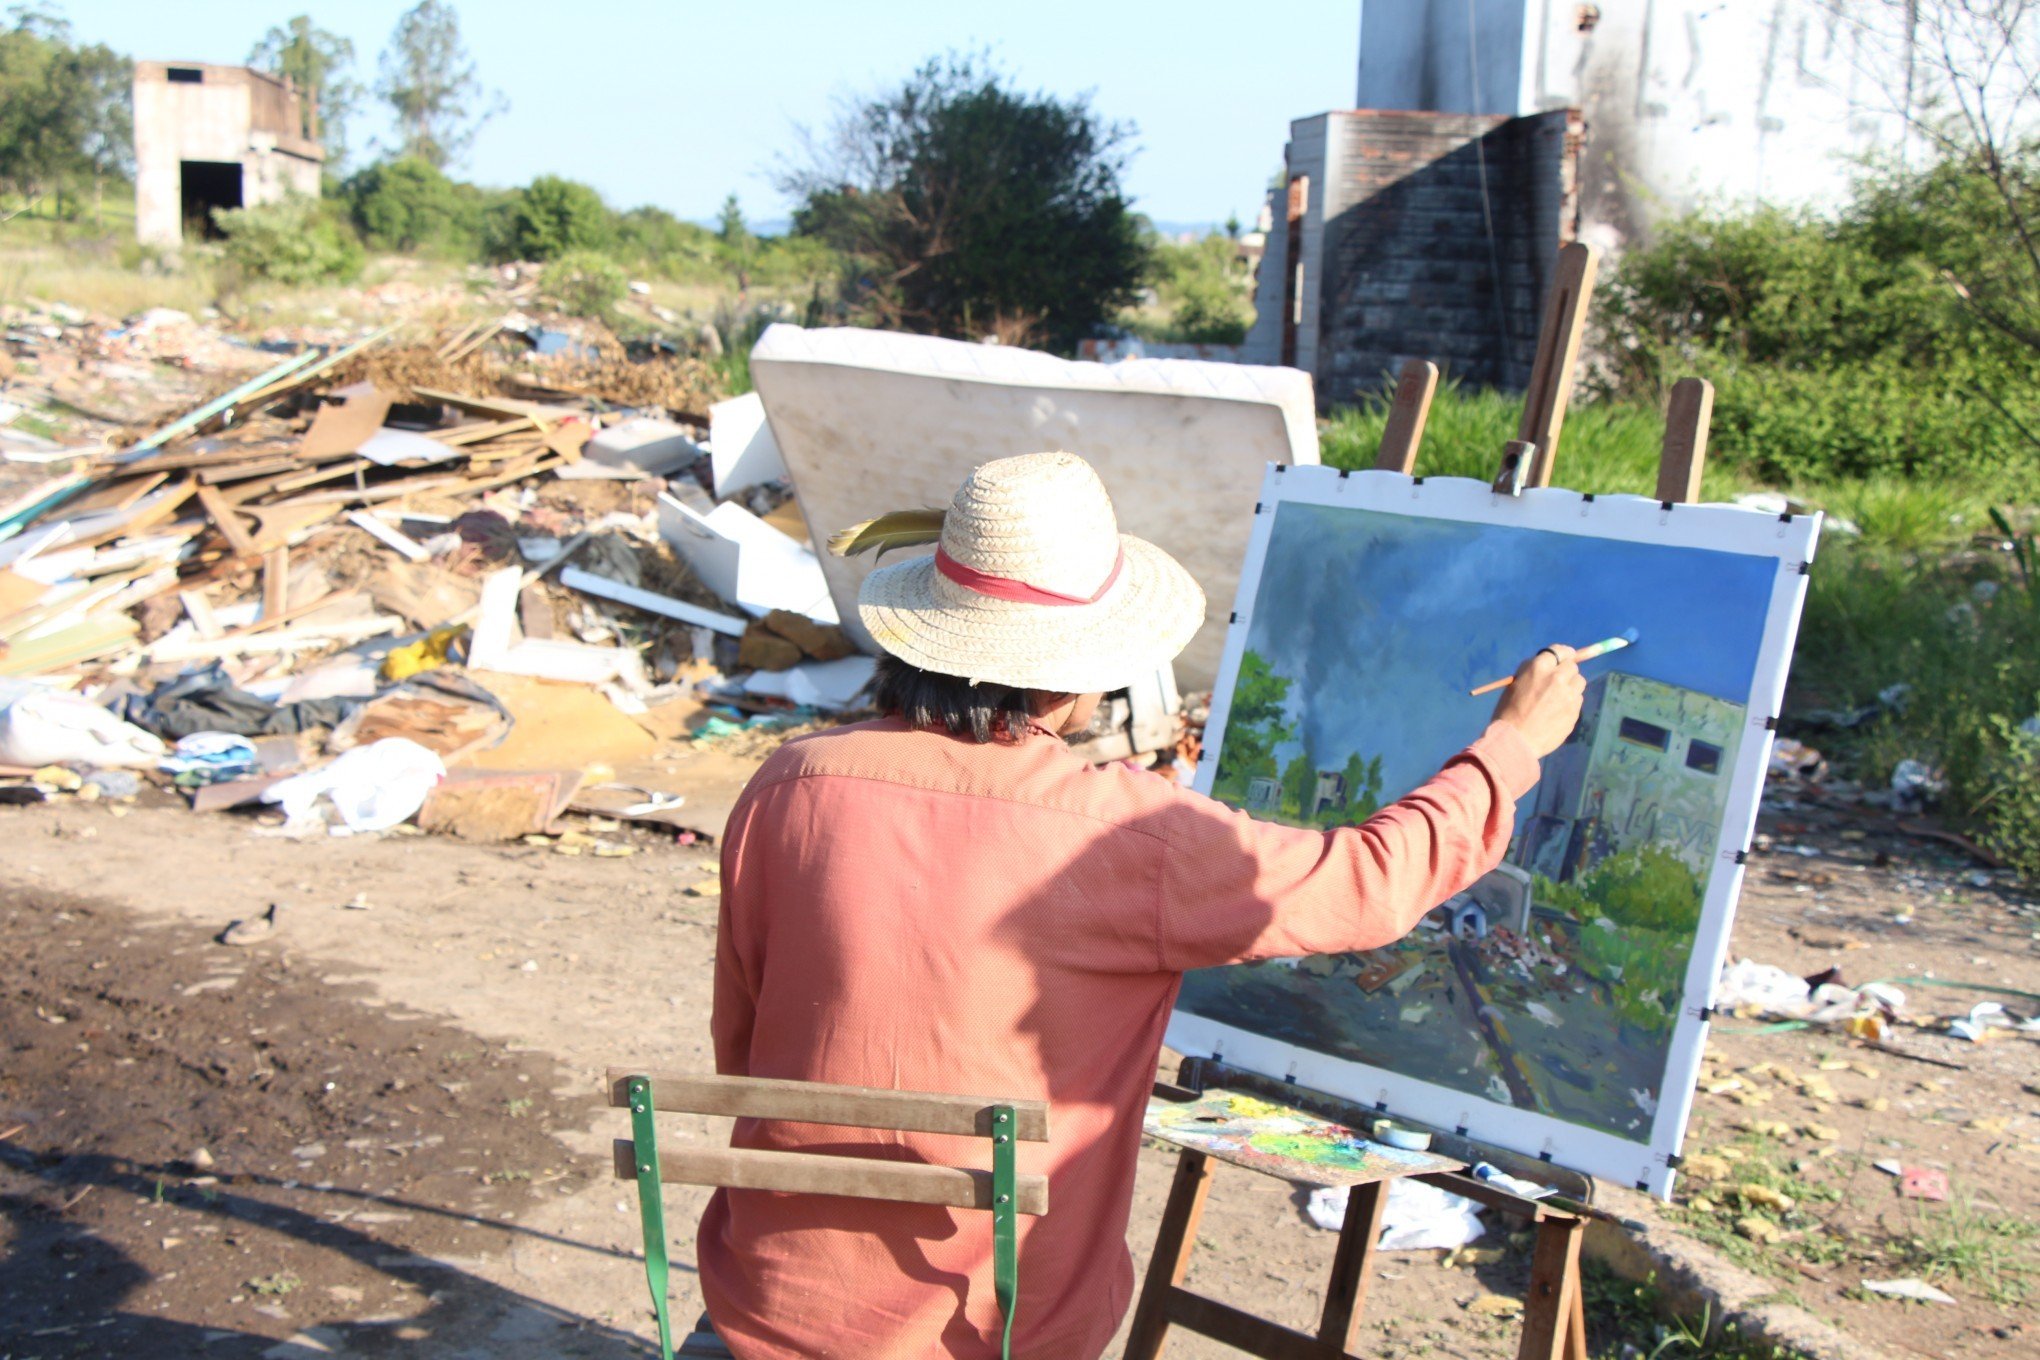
(473, 579)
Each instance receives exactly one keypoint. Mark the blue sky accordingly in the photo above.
(1385, 622)
(678, 104)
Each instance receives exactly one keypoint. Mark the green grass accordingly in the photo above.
(1991, 1253)
(1605, 447)
(1627, 1321)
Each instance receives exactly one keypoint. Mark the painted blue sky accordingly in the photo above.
(1384, 622)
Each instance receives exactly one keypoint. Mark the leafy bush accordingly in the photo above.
(407, 203)
(584, 283)
(1880, 341)
(1205, 289)
(555, 216)
(293, 241)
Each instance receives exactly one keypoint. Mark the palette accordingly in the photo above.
(1280, 1140)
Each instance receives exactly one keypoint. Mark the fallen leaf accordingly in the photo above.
(1496, 1305)
(1909, 1289)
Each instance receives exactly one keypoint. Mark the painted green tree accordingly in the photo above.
(1299, 787)
(1254, 727)
(1363, 789)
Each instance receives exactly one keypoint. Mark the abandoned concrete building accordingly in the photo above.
(211, 137)
(1487, 133)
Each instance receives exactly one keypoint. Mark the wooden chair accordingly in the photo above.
(1001, 1191)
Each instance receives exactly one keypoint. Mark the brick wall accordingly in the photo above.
(1408, 268)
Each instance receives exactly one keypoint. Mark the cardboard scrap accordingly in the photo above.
(497, 805)
(343, 427)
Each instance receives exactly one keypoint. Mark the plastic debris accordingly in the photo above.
(371, 788)
(1918, 1290)
(1417, 1217)
(1982, 1017)
(46, 728)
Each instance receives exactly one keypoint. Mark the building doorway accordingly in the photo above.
(204, 186)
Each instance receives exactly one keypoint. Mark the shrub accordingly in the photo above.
(554, 216)
(584, 283)
(1843, 347)
(407, 203)
(293, 241)
(1205, 290)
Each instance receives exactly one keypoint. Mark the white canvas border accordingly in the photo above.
(1790, 539)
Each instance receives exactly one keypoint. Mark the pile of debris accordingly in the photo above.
(475, 582)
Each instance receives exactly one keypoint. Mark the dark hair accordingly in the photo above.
(984, 712)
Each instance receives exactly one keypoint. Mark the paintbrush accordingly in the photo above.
(1588, 653)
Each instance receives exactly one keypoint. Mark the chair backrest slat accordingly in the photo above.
(827, 1174)
(809, 1102)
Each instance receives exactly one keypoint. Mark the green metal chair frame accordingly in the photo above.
(1002, 1191)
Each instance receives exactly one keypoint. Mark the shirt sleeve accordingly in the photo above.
(735, 1003)
(1235, 889)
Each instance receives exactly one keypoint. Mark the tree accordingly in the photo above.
(970, 209)
(312, 59)
(735, 241)
(64, 111)
(405, 203)
(555, 216)
(429, 81)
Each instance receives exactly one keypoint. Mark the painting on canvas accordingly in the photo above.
(1552, 1007)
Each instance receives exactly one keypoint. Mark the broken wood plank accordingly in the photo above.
(388, 537)
(276, 581)
(227, 520)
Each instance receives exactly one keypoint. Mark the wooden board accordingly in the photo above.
(1558, 352)
(814, 1102)
(487, 805)
(1683, 457)
(342, 427)
(1411, 408)
(808, 1173)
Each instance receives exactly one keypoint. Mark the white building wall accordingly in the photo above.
(214, 119)
(1687, 102)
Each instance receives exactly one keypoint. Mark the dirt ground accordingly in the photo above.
(405, 1150)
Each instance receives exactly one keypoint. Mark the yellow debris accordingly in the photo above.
(1835, 1065)
(1875, 1104)
(1707, 1167)
(1824, 1133)
(1760, 1230)
(1496, 1305)
(1767, 1197)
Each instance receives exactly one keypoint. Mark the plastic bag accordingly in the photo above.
(371, 788)
(46, 728)
(1417, 1217)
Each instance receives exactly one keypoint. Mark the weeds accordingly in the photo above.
(1990, 1253)
(275, 1286)
(518, 1106)
(1625, 1321)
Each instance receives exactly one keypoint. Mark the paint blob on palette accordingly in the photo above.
(1279, 1140)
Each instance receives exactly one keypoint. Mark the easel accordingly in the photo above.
(1554, 1314)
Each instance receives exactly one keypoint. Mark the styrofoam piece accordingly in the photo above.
(818, 684)
(873, 421)
(746, 561)
(574, 578)
(741, 450)
(650, 445)
(387, 446)
(388, 537)
(497, 644)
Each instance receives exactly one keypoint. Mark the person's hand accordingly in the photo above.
(1544, 703)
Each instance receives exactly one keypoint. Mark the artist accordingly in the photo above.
(949, 899)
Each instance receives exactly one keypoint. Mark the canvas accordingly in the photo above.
(1557, 1006)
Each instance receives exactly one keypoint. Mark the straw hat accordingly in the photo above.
(1033, 586)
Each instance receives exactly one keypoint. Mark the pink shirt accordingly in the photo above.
(910, 910)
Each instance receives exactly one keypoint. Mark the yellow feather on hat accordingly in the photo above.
(900, 529)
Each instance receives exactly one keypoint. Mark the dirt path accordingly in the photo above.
(516, 974)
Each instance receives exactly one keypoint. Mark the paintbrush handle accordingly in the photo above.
(1491, 686)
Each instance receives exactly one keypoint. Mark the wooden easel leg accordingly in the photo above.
(1353, 1266)
(1171, 1261)
(1554, 1319)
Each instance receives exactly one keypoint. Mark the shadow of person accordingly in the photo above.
(71, 1292)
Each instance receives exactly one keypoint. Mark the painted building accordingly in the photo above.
(210, 137)
(1648, 764)
(1486, 133)
(1263, 794)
